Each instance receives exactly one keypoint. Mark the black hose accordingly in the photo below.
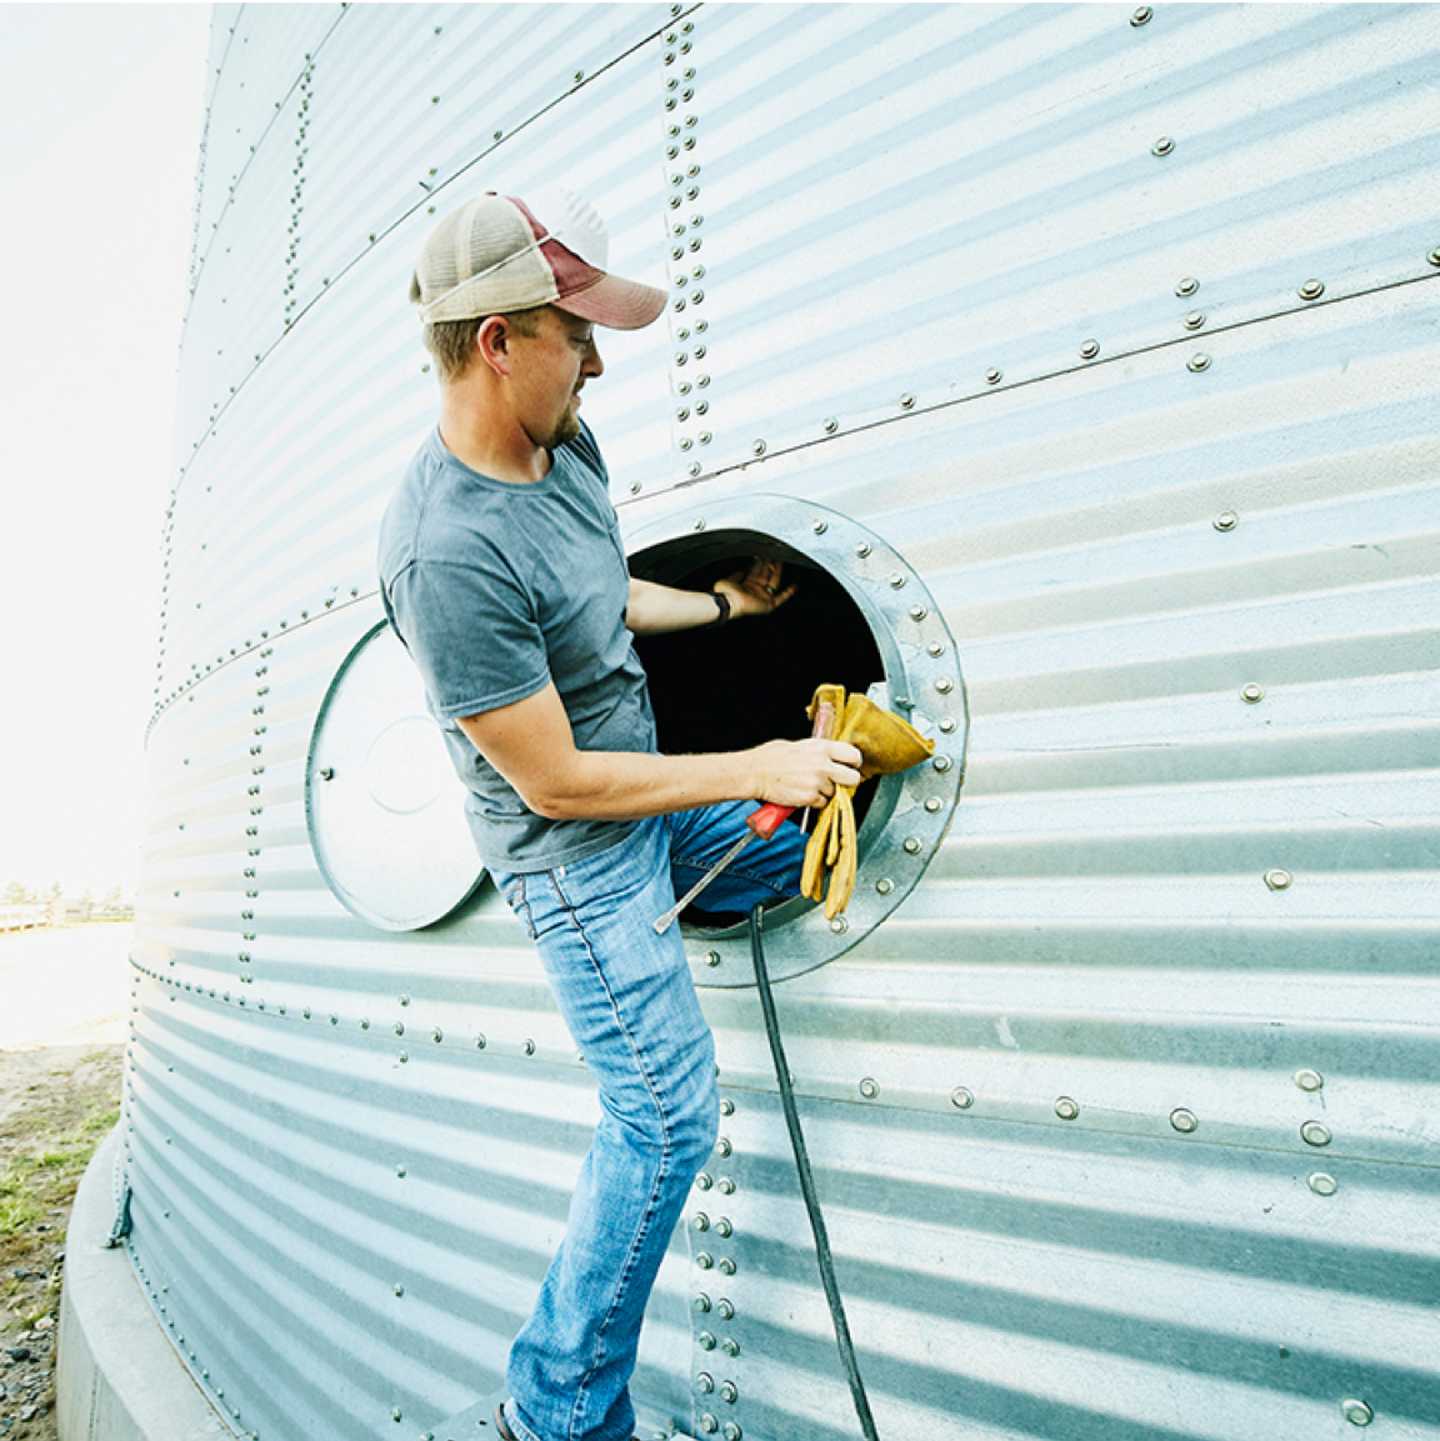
(807, 1183)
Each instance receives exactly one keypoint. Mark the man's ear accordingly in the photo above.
(492, 342)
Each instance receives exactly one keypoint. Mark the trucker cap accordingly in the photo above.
(495, 253)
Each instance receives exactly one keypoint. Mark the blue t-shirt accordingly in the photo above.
(497, 587)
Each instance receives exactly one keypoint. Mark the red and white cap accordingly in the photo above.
(495, 254)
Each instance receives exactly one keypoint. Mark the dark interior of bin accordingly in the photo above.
(749, 681)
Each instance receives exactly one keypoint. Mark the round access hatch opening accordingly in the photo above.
(750, 681)
(861, 618)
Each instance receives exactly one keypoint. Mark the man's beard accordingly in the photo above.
(566, 430)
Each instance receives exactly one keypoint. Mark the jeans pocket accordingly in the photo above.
(513, 890)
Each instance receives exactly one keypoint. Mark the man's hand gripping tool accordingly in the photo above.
(763, 823)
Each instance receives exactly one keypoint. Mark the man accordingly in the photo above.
(503, 571)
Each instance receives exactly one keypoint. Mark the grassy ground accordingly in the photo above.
(56, 1104)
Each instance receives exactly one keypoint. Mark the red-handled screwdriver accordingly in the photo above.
(762, 823)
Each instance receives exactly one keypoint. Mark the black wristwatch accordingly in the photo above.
(723, 601)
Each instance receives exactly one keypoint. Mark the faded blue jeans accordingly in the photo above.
(628, 999)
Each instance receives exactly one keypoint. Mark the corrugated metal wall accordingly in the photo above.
(1094, 352)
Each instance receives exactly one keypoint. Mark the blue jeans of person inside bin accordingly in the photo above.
(627, 996)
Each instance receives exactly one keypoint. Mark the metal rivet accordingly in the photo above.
(1066, 1109)
(730, 1346)
(399, 1289)
(686, 443)
(1357, 1413)
(994, 375)
(1315, 1134)
(1141, 16)
(480, 1043)
(1309, 1080)
(723, 1226)
(944, 685)
(705, 1341)
(727, 1107)
(1434, 257)
(831, 425)
(727, 1188)
(704, 1260)
(705, 1382)
(1195, 320)
(1312, 290)
(696, 468)
(911, 846)
(1198, 362)
(1252, 693)
(723, 1146)
(1322, 1183)
(726, 1308)
(701, 1302)
(701, 1221)
(1163, 146)
(885, 885)
(400, 1171)
(758, 447)
(1277, 879)
(897, 580)
(1226, 520)
(863, 549)
(918, 612)
(704, 1181)
(1090, 349)
(933, 804)
(709, 1423)
(907, 401)
(869, 1089)
(1183, 1120)
(963, 1097)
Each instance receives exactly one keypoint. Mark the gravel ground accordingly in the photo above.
(62, 999)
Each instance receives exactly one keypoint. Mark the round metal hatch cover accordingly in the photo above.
(383, 805)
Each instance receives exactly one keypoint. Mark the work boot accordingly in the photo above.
(505, 1432)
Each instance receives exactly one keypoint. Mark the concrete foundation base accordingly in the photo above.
(117, 1375)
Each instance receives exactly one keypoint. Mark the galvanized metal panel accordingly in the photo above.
(1149, 1036)
(853, 154)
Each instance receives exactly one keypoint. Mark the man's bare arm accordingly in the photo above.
(654, 609)
(531, 744)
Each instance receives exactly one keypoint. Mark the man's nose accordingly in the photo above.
(593, 365)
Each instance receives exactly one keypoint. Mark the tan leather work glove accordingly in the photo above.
(887, 744)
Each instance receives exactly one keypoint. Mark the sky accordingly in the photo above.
(100, 116)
